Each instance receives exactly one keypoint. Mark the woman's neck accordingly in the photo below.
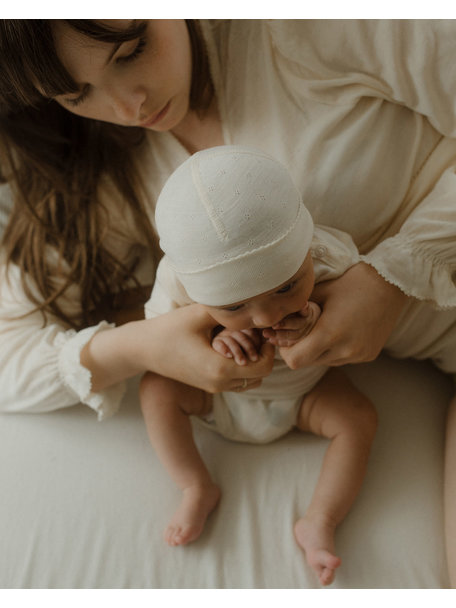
(196, 133)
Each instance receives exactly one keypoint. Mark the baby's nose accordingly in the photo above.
(267, 318)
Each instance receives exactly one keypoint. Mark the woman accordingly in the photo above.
(362, 114)
(57, 164)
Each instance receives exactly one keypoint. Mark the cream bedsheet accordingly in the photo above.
(83, 504)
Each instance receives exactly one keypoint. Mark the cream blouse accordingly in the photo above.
(361, 112)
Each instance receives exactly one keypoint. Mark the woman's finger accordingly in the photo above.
(244, 384)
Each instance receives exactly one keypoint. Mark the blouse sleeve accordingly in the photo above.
(40, 369)
(421, 258)
(410, 62)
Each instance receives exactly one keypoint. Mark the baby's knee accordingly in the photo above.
(156, 391)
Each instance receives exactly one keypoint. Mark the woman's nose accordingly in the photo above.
(127, 105)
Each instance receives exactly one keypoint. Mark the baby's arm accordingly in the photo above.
(294, 327)
(242, 346)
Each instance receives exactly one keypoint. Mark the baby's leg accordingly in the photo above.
(334, 409)
(166, 406)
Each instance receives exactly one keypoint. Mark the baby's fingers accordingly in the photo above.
(220, 346)
(281, 337)
(236, 350)
(247, 344)
(291, 322)
(238, 346)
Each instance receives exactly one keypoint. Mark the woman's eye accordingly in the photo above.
(139, 48)
(77, 100)
(286, 288)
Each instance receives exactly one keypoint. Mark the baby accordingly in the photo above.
(238, 240)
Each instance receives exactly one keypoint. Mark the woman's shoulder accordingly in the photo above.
(405, 61)
(345, 44)
(338, 42)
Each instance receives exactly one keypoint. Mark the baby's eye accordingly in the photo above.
(286, 287)
(233, 308)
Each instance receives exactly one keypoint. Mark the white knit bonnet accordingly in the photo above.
(232, 225)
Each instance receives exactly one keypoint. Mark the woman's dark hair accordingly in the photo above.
(56, 162)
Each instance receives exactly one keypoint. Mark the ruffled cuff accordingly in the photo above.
(416, 271)
(78, 378)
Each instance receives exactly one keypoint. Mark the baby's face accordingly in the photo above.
(268, 309)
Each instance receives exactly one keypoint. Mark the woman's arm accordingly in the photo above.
(358, 307)
(177, 345)
(47, 366)
(361, 308)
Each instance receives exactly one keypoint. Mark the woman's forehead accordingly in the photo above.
(85, 47)
(75, 50)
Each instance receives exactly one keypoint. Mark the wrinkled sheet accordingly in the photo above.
(83, 503)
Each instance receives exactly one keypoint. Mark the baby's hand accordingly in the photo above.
(242, 346)
(294, 327)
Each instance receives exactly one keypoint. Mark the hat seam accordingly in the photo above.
(207, 203)
(241, 255)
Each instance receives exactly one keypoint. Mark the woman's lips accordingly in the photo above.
(156, 118)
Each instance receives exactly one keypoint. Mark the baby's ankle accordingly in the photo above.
(199, 487)
(320, 519)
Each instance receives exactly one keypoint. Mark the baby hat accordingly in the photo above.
(232, 224)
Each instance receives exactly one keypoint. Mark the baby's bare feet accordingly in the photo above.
(316, 537)
(188, 521)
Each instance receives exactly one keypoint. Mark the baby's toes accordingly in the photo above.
(183, 534)
(173, 536)
(326, 576)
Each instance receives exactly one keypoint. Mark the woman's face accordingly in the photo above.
(144, 82)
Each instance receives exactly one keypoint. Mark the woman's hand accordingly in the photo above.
(176, 345)
(187, 354)
(359, 312)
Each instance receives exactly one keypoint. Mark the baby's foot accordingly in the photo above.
(188, 521)
(316, 537)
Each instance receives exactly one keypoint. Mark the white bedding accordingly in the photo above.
(84, 503)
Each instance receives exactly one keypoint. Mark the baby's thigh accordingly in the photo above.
(425, 333)
(336, 406)
(158, 391)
